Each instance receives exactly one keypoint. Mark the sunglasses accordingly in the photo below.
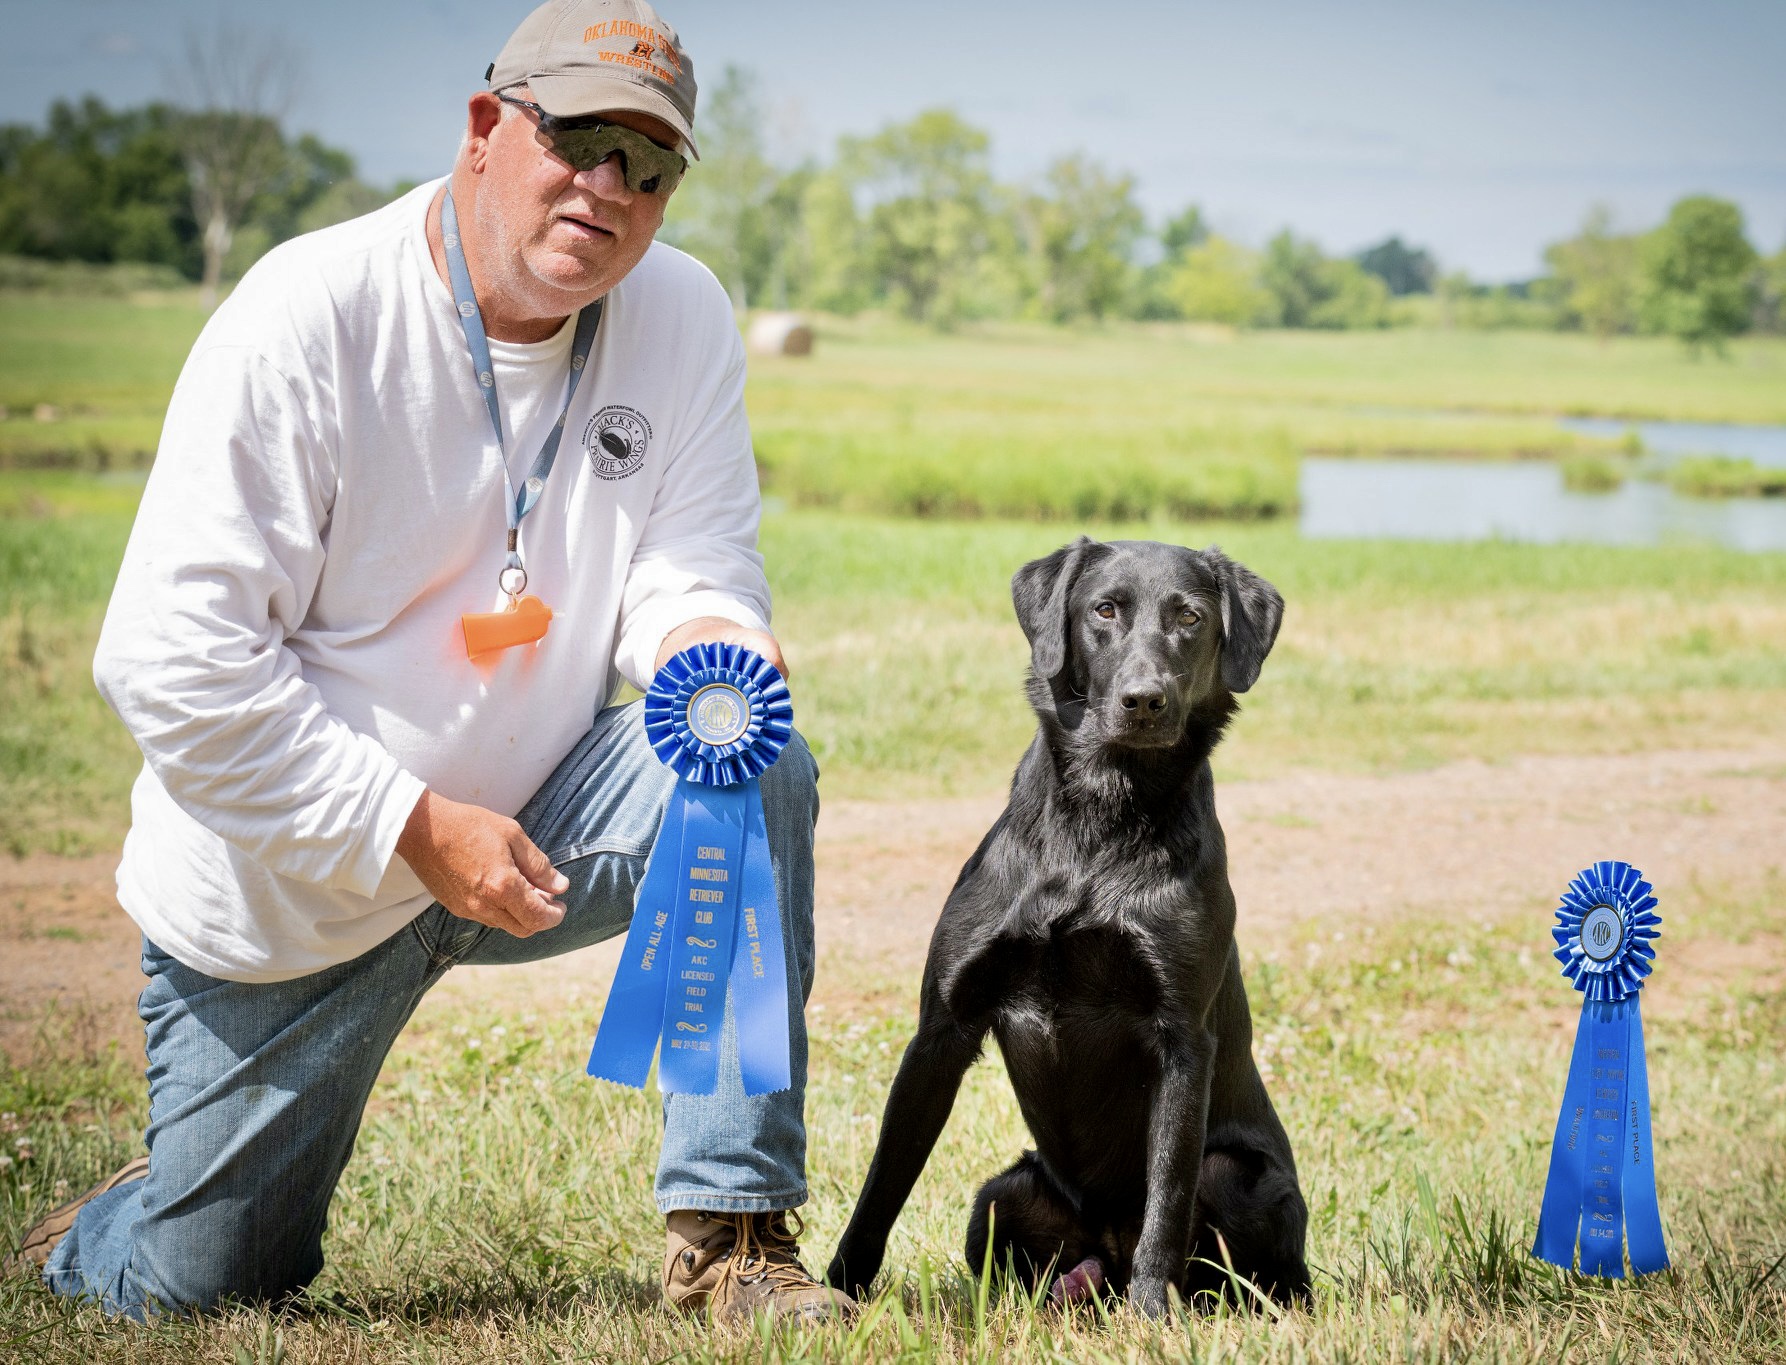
(586, 141)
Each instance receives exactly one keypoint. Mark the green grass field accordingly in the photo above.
(1012, 421)
(907, 660)
(497, 1206)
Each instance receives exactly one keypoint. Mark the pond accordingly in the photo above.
(1463, 500)
(1764, 445)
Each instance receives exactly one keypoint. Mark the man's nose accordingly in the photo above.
(607, 179)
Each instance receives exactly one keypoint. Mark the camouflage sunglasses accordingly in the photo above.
(586, 141)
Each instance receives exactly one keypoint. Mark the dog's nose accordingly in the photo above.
(1145, 699)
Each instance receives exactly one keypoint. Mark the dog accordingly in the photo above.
(1092, 934)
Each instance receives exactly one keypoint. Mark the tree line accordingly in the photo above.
(909, 219)
(203, 194)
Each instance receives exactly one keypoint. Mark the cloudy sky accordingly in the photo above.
(1481, 130)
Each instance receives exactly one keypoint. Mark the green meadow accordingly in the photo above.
(497, 1206)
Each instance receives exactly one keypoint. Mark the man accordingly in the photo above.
(323, 824)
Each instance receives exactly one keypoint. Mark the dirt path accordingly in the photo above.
(1474, 839)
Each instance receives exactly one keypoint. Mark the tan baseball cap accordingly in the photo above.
(590, 56)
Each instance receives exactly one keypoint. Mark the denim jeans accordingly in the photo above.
(256, 1090)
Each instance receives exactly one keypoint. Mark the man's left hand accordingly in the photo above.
(716, 630)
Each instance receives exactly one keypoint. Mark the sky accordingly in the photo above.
(1480, 130)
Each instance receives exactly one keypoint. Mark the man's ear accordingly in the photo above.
(1252, 611)
(1040, 591)
(483, 111)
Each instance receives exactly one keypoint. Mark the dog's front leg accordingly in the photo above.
(917, 1108)
(1174, 1158)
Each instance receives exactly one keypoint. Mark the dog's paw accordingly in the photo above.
(838, 1276)
(1082, 1282)
(1151, 1298)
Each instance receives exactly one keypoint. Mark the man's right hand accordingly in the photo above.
(482, 866)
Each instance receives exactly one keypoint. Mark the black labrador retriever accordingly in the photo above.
(1092, 932)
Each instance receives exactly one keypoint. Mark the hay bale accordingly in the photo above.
(779, 334)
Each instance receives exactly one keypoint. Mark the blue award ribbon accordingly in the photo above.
(1601, 1193)
(707, 926)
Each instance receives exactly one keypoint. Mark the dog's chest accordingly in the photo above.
(1076, 981)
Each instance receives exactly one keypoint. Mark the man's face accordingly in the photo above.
(556, 238)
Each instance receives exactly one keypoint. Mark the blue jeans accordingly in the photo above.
(256, 1090)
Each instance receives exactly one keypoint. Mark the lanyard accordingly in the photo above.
(515, 505)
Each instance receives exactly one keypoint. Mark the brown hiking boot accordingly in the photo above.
(738, 1264)
(35, 1250)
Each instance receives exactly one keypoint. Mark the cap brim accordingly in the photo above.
(573, 95)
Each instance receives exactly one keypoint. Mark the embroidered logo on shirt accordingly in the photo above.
(616, 437)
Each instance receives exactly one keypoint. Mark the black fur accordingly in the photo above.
(1092, 933)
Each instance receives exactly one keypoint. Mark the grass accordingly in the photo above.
(1013, 421)
(907, 659)
(498, 1204)
(1722, 476)
(1393, 655)
(65, 765)
(1190, 422)
(103, 366)
(1594, 473)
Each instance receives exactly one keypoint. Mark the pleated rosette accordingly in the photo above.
(1606, 926)
(705, 947)
(718, 715)
(1600, 1194)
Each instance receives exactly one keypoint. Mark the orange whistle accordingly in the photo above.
(521, 624)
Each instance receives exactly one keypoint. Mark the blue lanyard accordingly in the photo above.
(516, 505)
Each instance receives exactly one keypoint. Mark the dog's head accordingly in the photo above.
(1131, 639)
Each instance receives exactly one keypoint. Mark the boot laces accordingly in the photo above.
(765, 1252)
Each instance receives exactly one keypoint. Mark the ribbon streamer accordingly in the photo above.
(1601, 1192)
(706, 930)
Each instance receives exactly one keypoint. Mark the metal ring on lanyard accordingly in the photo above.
(471, 322)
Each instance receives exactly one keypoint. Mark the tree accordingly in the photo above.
(237, 86)
(832, 247)
(97, 185)
(1313, 291)
(1770, 311)
(720, 211)
(929, 219)
(1596, 277)
(1082, 237)
(1184, 231)
(1698, 273)
(1217, 281)
(1405, 269)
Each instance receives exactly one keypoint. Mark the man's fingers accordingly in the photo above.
(530, 908)
(536, 866)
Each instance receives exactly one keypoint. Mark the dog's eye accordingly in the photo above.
(1106, 610)
(1189, 617)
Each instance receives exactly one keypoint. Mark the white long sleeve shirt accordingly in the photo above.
(284, 638)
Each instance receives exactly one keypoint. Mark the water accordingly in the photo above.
(1459, 500)
(1764, 445)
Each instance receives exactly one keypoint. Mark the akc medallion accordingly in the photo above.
(706, 929)
(616, 438)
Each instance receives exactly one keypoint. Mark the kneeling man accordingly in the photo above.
(495, 386)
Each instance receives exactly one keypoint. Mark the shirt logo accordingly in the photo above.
(616, 437)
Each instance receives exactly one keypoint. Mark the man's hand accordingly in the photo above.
(482, 866)
(716, 630)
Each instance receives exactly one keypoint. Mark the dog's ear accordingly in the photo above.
(1040, 590)
(1252, 610)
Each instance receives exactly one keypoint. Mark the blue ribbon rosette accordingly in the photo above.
(1602, 1184)
(706, 918)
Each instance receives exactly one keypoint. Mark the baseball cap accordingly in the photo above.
(590, 56)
